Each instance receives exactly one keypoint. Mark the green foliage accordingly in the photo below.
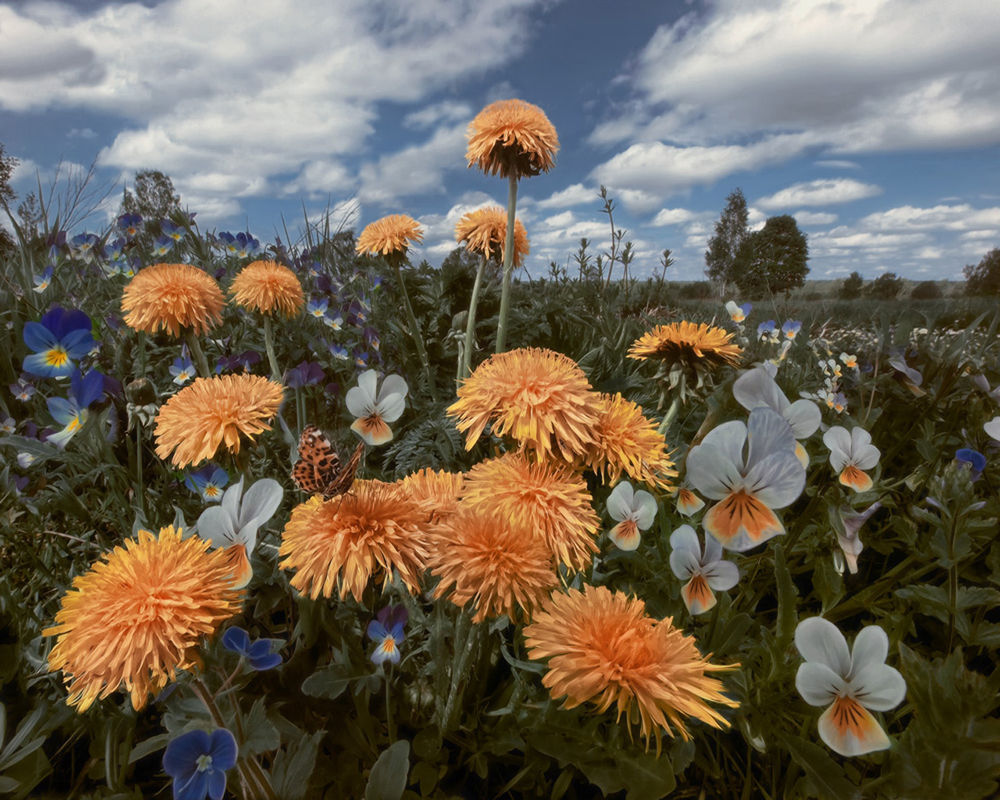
(852, 287)
(154, 197)
(926, 290)
(984, 277)
(772, 259)
(886, 286)
(731, 232)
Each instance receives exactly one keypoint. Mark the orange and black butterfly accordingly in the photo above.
(319, 469)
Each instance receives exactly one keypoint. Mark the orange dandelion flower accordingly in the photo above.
(604, 649)
(512, 137)
(492, 563)
(484, 231)
(547, 500)
(389, 235)
(688, 344)
(339, 545)
(212, 411)
(626, 441)
(267, 286)
(137, 617)
(172, 296)
(540, 398)
(436, 492)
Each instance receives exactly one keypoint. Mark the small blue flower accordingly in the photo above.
(83, 244)
(766, 329)
(182, 369)
(59, 339)
(43, 281)
(198, 762)
(338, 352)
(305, 374)
(23, 390)
(228, 242)
(361, 359)
(791, 328)
(387, 630)
(975, 460)
(317, 307)
(114, 250)
(209, 482)
(163, 245)
(71, 413)
(258, 654)
(8, 425)
(129, 224)
(171, 231)
(335, 321)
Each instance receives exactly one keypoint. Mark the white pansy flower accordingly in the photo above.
(373, 409)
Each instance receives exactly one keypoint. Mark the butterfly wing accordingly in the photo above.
(345, 475)
(318, 463)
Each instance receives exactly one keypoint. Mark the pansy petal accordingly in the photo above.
(697, 595)
(625, 535)
(232, 500)
(376, 630)
(879, 687)
(216, 525)
(721, 575)
(849, 729)
(372, 429)
(777, 480)
(818, 684)
(386, 651)
(819, 640)
(804, 417)
(685, 538)
(741, 522)
(393, 384)
(713, 467)
(358, 403)
(644, 509)
(620, 501)
(62, 410)
(856, 479)
(688, 502)
(866, 456)
(193, 788)
(391, 407)
(684, 563)
(767, 434)
(38, 337)
(78, 343)
(756, 389)
(838, 442)
(238, 561)
(871, 646)
(713, 550)
(992, 428)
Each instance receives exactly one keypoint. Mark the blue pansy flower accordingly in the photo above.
(209, 482)
(317, 307)
(975, 460)
(43, 281)
(171, 231)
(766, 330)
(791, 328)
(387, 630)
(23, 390)
(83, 244)
(129, 224)
(162, 245)
(258, 654)
(244, 361)
(197, 761)
(335, 321)
(227, 241)
(361, 359)
(182, 369)
(58, 340)
(339, 351)
(113, 250)
(71, 413)
(305, 374)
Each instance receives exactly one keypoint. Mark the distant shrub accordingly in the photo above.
(851, 287)
(926, 290)
(699, 290)
(984, 278)
(812, 296)
(886, 286)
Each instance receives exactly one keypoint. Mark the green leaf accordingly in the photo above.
(648, 777)
(388, 776)
(329, 682)
(261, 735)
(294, 766)
(787, 616)
(148, 746)
(826, 775)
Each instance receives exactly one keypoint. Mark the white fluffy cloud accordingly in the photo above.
(574, 195)
(823, 192)
(960, 217)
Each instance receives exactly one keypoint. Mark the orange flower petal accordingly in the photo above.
(372, 429)
(856, 479)
(740, 514)
(698, 595)
(850, 729)
(239, 563)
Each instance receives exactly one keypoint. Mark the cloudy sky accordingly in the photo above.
(876, 123)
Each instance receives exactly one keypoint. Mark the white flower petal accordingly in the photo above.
(721, 575)
(756, 388)
(620, 501)
(368, 383)
(879, 687)
(865, 456)
(714, 466)
(871, 646)
(391, 407)
(215, 525)
(777, 480)
(259, 504)
(818, 684)
(358, 403)
(231, 499)
(644, 509)
(392, 384)
(684, 563)
(685, 538)
(838, 441)
(819, 640)
(851, 734)
(713, 549)
(804, 417)
(992, 428)
(767, 433)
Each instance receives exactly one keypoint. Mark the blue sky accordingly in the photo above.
(876, 123)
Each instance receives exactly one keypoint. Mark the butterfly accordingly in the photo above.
(319, 469)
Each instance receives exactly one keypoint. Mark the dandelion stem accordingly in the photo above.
(418, 339)
(138, 467)
(508, 265)
(671, 414)
(390, 724)
(470, 326)
(269, 347)
(199, 355)
(464, 642)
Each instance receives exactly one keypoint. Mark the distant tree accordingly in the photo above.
(886, 286)
(852, 287)
(984, 277)
(772, 259)
(698, 290)
(731, 232)
(154, 197)
(926, 290)
(7, 166)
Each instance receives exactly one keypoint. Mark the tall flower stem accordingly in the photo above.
(671, 414)
(466, 639)
(269, 347)
(411, 318)
(508, 265)
(197, 353)
(470, 326)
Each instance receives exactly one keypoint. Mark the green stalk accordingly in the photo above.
(508, 265)
(470, 327)
(138, 467)
(272, 359)
(197, 353)
(418, 340)
(669, 417)
(390, 724)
